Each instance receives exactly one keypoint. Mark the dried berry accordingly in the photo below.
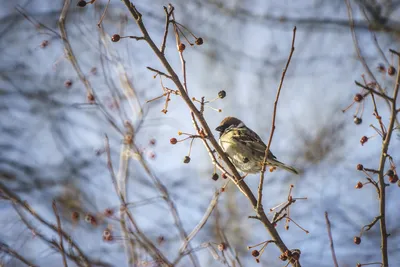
(390, 173)
(44, 44)
(359, 185)
(357, 240)
(357, 120)
(181, 47)
(90, 97)
(81, 3)
(215, 176)
(363, 140)
(108, 212)
(68, 83)
(358, 97)
(391, 71)
(173, 141)
(199, 41)
(75, 216)
(360, 167)
(115, 38)
(186, 159)
(381, 68)
(221, 94)
(255, 253)
(393, 179)
(152, 142)
(222, 246)
(224, 176)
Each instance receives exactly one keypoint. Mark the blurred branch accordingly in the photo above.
(202, 222)
(122, 177)
(328, 227)
(6, 249)
(68, 49)
(236, 177)
(360, 55)
(60, 234)
(141, 237)
(17, 201)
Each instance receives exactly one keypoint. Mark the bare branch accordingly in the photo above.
(328, 227)
(60, 234)
(261, 184)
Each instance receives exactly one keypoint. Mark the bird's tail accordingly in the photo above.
(277, 163)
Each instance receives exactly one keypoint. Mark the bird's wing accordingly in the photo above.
(248, 137)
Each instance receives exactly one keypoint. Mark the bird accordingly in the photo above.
(245, 148)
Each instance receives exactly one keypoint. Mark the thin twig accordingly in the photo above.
(167, 22)
(59, 233)
(328, 227)
(159, 72)
(371, 90)
(267, 152)
(18, 201)
(13, 253)
(199, 226)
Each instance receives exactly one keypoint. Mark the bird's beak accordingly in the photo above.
(220, 128)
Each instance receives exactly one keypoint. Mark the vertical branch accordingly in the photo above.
(60, 233)
(261, 184)
(122, 177)
(381, 176)
(328, 227)
(68, 49)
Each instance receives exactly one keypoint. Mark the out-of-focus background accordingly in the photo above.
(52, 140)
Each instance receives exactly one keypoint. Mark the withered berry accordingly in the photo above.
(215, 176)
(255, 253)
(173, 141)
(81, 3)
(357, 120)
(393, 179)
(186, 159)
(221, 94)
(222, 246)
(359, 185)
(181, 47)
(68, 83)
(363, 140)
(115, 38)
(391, 71)
(358, 97)
(360, 167)
(199, 41)
(357, 240)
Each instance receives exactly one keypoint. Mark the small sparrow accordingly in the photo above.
(245, 148)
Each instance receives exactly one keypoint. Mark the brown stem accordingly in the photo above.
(60, 233)
(381, 176)
(13, 253)
(328, 227)
(261, 184)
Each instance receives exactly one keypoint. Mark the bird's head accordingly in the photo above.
(229, 122)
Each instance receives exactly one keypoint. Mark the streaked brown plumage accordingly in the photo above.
(245, 148)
